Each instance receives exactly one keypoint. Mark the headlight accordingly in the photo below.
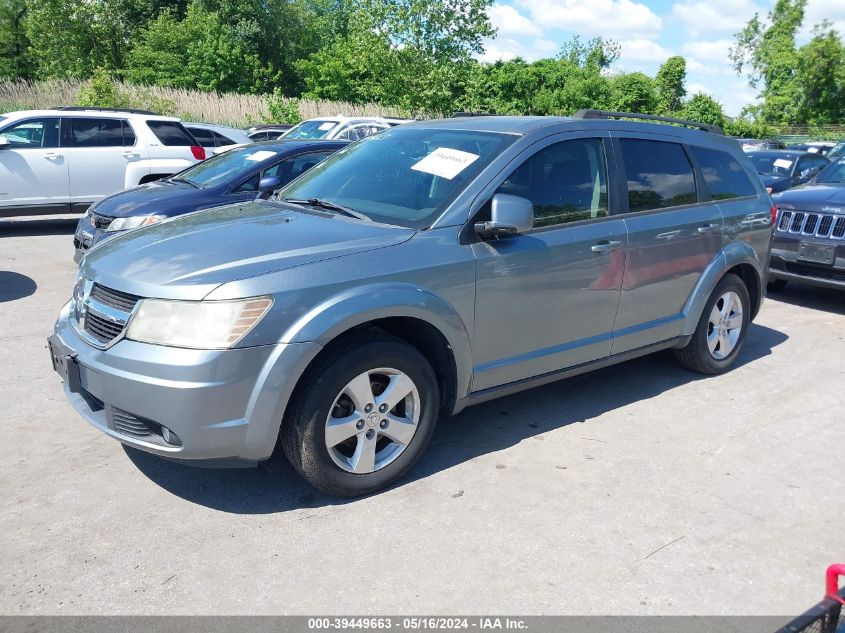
(196, 324)
(133, 222)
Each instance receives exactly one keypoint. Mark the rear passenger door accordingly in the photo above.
(98, 151)
(672, 237)
(546, 299)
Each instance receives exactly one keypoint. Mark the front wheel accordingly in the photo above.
(362, 415)
(721, 331)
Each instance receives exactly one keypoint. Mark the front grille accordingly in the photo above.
(102, 329)
(101, 221)
(826, 225)
(819, 272)
(114, 298)
(128, 424)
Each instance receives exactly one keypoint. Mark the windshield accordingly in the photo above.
(833, 173)
(311, 129)
(837, 150)
(772, 164)
(402, 176)
(222, 167)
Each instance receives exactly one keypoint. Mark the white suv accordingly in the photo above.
(62, 160)
(343, 128)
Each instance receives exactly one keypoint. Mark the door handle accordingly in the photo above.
(52, 156)
(606, 247)
(130, 154)
(707, 229)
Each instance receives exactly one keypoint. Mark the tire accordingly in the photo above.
(698, 355)
(775, 285)
(337, 385)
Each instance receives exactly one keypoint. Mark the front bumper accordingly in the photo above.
(220, 404)
(786, 264)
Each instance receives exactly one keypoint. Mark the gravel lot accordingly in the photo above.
(638, 489)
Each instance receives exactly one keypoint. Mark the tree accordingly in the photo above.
(669, 83)
(704, 109)
(766, 53)
(15, 60)
(415, 54)
(820, 77)
(633, 92)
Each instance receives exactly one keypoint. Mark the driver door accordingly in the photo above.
(33, 169)
(547, 299)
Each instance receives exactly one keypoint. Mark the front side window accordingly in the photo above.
(566, 182)
(659, 174)
(723, 175)
(204, 137)
(834, 173)
(33, 133)
(96, 132)
(221, 140)
(405, 176)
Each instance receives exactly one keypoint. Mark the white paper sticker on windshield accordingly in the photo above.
(326, 126)
(263, 154)
(783, 163)
(445, 162)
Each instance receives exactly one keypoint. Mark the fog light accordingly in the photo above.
(170, 437)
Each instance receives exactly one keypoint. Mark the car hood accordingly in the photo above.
(815, 194)
(153, 198)
(188, 256)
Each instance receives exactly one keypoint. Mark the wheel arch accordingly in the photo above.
(738, 258)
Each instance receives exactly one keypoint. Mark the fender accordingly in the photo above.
(366, 303)
(307, 337)
(733, 254)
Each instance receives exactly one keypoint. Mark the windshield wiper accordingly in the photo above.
(331, 206)
(185, 180)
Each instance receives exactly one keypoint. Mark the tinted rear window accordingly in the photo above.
(659, 174)
(724, 176)
(96, 132)
(205, 137)
(171, 133)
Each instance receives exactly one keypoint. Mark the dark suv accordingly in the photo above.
(424, 269)
(809, 242)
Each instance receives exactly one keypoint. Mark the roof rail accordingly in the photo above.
(83, 108)
(603, 114)
(461, 114)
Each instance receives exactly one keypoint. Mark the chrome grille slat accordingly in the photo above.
(101, 221)
(106, 313)
(805, 223)
(114, 298)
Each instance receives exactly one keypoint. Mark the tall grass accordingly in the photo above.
(194, 105)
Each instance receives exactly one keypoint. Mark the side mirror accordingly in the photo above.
(266, 186)
(509, 215)
(4, 142)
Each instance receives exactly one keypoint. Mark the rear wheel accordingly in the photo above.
(721, 331)
(362, 416)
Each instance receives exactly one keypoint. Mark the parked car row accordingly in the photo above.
(64, 160)
(410, 274)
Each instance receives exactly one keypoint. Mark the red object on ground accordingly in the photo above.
(832, 588)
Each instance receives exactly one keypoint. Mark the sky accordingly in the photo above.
(649, 31)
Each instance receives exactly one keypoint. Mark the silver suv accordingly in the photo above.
(422, 270)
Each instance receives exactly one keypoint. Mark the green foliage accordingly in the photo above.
(704, 109)
(634, 92)
(745, 127)
(15, 59)
(280, 109)
(100, 92)
(670, 81)
(797, 85)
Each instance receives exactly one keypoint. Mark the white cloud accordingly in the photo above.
(643, 51)
(619, 19)
(715, 17)
(709, 58)
(819, 10)
(506, 48)
(500, 50)
(509, 21)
